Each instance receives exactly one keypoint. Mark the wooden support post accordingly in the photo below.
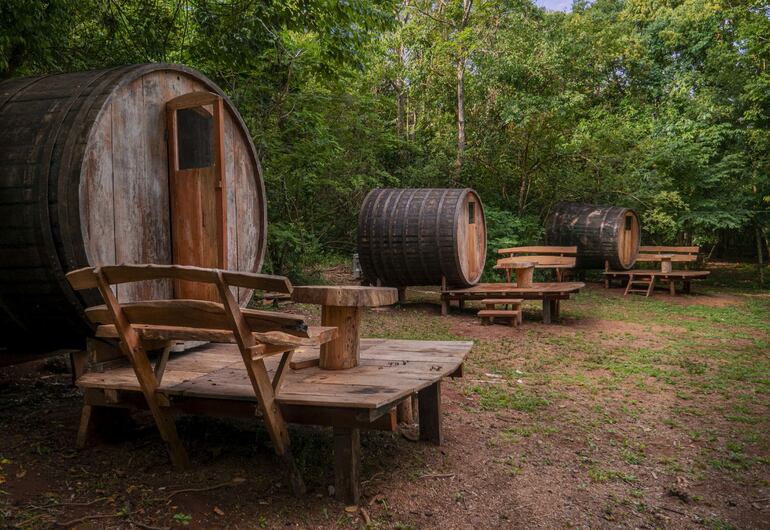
(404, 411)
(86, 426)
(671, 287)
(686, 287)
(347, 465)
(78, 363)
(461, 303)
(429, 400)
(546, 311)
(444, 298)
(402, 295)
(343, 352)
(555, 307)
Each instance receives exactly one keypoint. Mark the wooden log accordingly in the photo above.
(343, 352)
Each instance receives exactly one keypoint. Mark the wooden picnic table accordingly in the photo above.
(550, 293)
(341, 307)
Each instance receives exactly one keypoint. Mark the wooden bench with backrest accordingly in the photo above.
(544, 257)
(675, 254)
(141, 325)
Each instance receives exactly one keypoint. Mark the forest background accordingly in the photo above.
(658, 105)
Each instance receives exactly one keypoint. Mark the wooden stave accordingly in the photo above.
(52, 241)
(596, 237)
(419, 244)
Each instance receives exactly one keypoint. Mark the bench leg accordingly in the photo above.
(429, 400)
(671, 287)
(686, 288)
(86, 426)
(347, 465)
(546, 311)
(461, 304)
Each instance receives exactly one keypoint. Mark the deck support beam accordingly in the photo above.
(347, 465)
(429, 406)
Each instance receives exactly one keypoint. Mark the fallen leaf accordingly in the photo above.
(218, 511)
(351, 509)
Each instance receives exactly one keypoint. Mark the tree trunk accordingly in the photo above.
(760, 255)
(467, 4)
(460, 117)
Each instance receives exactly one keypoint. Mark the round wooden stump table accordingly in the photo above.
(341, 307)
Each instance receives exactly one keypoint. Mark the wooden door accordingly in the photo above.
(472, 240)
(197, 187)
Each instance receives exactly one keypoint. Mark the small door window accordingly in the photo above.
(629, 222)
(194, 138)
(471, 213)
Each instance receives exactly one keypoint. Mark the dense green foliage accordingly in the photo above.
(659, 105)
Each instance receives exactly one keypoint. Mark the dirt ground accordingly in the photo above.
(627, 413)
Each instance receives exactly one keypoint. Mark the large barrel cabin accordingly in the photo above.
(422, 236)
(604, 235)
(146, 163)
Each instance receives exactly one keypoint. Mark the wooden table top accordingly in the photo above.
(389, 371)
(512, 288)
(541, 262)
(502, 264)
(345, 295)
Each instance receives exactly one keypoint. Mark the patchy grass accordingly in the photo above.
(629, 412)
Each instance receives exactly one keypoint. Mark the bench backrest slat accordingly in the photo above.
(559, 251)
(678, 254)
(199, 314)
(669, 250)
(115, 274)
(542, 261)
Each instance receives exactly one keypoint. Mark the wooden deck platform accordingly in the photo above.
(684, 275)
(550, 293)
(390, 370)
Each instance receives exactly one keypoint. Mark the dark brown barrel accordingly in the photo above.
(84, 181)
(601, 233)
(412, 236)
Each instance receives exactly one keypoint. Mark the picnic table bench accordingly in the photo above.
(559, 259)
(247, 362)
(642, 281)
(550, 293)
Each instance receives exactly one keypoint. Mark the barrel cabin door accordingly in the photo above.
(628, 242)
(197, 187)
(470, 232)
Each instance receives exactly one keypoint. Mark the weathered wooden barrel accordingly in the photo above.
(99, 168)
(601, 233)
(417, 236)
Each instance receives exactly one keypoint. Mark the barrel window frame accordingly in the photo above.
(471, 212)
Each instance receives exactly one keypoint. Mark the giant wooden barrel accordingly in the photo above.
(86, 178)
(601, 233)
(417, 236)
